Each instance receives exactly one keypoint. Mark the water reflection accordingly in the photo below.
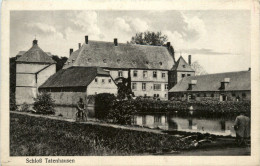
(203, 125)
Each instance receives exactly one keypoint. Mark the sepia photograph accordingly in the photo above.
(129, 83)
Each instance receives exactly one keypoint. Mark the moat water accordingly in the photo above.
(167, 122)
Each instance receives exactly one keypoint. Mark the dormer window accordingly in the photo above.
(73, 60)
(192, 84)
(104, 60)
(147, 62)
(183, 66)
(224, 83)
(118, 60)
(89, 60)
(160, 63)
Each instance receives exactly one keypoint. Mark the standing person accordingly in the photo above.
(80, 108)
(242, 128)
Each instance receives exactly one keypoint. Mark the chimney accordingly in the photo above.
(189, 59)
(71, 51)
(35, 42)
(168, 44)
(86, 39)
(115, 42)
(79, 45)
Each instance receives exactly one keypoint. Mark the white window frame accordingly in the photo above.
(163, 75)
(154, 74)
(144, 86)
(120, 73)
(166, 86)
(145, 75)
(134, 86)
(155, 87)
(135, 72)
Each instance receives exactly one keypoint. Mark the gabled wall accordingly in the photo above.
(102, 87)
(28, 78)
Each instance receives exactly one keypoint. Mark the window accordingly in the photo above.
(118, 60)
(145, 74)
(205, 95)
(243, 95)
(120, 73)
(109, 80)
(165, 95)
(157, 95)
(166, 86)
(157, 86)
(183, 75)
(144, 119)
(212, 95)
(134, 86)
(135, 119)
(89, 59)
(155, 74)
(183, 66)
(154, 95)
(188, 74)
(103, 80)
(96, 80)
(198, 95)
(157, 119)
(233, 94)
(143, 86)
(105, 61)
(135, 73)
(163, 75)
(160, 63)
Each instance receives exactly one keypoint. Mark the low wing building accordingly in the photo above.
(232, 86)
(68, 85)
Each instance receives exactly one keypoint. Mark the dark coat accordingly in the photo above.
(242, 126)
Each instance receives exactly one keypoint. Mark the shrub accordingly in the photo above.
(103, 103)
(44, 104)
(25, 107)
(122, 111)
(12, 101)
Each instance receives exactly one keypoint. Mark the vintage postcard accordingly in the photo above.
(130, 82)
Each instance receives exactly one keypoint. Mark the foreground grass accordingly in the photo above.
(36, 136)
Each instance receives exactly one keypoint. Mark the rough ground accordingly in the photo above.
(219, 147)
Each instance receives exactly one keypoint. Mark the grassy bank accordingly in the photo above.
(36, 136)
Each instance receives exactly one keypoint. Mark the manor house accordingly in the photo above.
(151, 69)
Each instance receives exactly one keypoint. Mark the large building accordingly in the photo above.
(33, 68)
(68, 85)
(232, 86)
(147, 66)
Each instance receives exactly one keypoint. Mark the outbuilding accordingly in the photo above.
(68, 85)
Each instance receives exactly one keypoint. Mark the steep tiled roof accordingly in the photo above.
(182, 65)
(74, 77)
(212, 82)
(107, 55)
(35, 55)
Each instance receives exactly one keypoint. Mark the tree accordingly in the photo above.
(60, 62)
(149, 38)
(44, 104)
(199, 70)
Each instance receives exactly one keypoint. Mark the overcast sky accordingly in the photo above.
(218, 40)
